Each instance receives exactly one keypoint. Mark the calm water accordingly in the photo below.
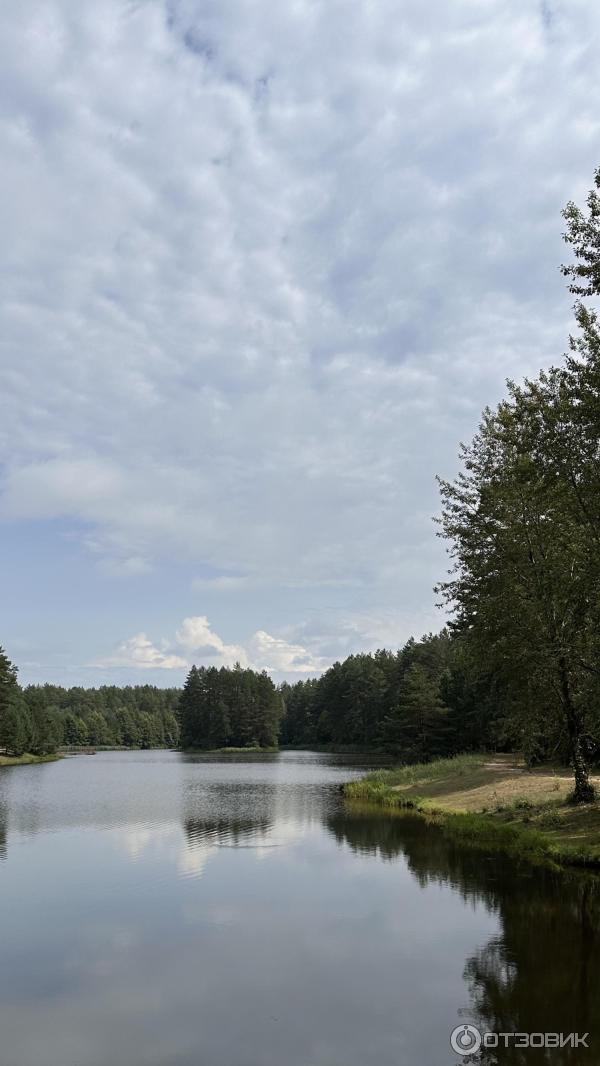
(182, 911)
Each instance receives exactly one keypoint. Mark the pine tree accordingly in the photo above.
(15, 733)
(418, 727)
(190, 710)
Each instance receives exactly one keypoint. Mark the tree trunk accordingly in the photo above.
(584, 790)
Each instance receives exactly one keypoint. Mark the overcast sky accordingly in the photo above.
(263, 263)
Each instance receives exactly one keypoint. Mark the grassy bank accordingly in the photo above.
(493, 802)
(26, 760)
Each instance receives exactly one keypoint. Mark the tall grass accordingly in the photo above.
(377, 784)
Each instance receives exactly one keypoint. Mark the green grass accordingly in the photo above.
(438, 770)
(492, 802)
(26, 760)
(402, 786)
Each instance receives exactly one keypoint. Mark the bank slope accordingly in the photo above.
(493, 801)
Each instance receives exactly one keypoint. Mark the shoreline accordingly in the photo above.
(27, 759)
(340, 749)
(228, 751)
(491, 802)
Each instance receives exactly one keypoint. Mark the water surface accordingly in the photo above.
(164, 910)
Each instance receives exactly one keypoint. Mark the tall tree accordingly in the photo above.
(190, 709)
(526, 581)
(15, 726)
(418, 724)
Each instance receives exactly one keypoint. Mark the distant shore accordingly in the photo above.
(253, 750)
(340, 749)
(493, 801)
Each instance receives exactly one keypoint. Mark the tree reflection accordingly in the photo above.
(3, 831)
(542, 973)
(225, 832)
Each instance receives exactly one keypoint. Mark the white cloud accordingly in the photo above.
(140, 653)
(203, 646)
(195, 635)
(277, 656)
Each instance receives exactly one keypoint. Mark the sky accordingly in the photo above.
(263, 264)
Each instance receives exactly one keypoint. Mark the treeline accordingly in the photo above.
(421, 702)
(42, 718)
(229, 708)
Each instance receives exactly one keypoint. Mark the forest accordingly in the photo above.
(216, 708)
(517, 667)
(421, 702)
(43, 718)
(231, 708)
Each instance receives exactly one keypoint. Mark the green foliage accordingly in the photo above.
(42, 718)
(15, 725)
(420, 702)
(418, 723)
(583, 234)
(229, 708)
(523, 522)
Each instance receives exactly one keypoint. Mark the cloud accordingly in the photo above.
(139, 652)
(203, 646)
(277, 656)
(195, 635)
(250, 306)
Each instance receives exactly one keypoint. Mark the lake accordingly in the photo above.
(172, 910)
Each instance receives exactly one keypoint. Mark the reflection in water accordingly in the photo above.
(3, 829)
(541, 973)
(224, 833)
(168, 911)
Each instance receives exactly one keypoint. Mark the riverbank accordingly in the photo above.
(493, 802)
(255, 750)
(27, 759)
(340, 749)
(87, 749)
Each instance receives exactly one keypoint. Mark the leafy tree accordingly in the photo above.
(583, 234)
(75, 731)
(97, 729)
(526, 579)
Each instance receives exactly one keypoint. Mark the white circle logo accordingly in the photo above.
(465, 1040)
